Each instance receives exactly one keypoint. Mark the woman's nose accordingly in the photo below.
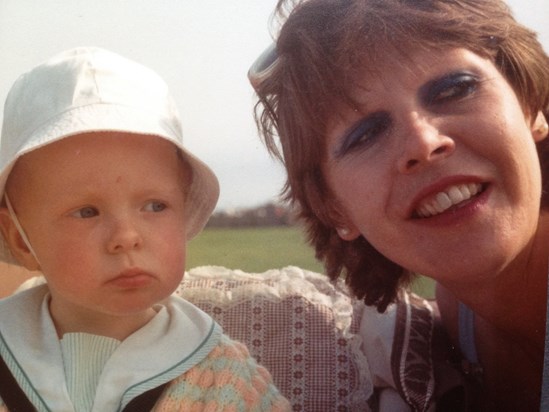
(124, 237)
(422, 144)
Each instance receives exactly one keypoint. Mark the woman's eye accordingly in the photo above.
(365, 132)
(452, 87)
(86, 212)
(155, 206)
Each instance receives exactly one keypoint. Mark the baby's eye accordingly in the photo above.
(155, 206)
(455, 86)
(86, 212)
(365, 132)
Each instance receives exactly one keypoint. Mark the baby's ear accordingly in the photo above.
(15, 241)
(540, 128)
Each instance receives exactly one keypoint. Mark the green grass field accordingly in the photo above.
(260, 249)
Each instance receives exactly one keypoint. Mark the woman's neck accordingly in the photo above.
(515, 301)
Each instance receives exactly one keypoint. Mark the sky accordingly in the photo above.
(202, 48)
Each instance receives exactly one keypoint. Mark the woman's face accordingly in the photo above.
(437, 168)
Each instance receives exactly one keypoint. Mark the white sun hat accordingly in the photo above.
(89, 89)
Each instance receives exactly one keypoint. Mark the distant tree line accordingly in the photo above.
(270, 214)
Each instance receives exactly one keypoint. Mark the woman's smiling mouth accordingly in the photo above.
(449, 198)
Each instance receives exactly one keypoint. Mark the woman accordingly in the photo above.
(414, 138)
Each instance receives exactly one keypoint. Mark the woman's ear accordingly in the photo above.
(15, 241)
(343, 225)
(540, 128)
(347, 232)
(345, 228)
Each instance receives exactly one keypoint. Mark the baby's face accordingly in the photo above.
(105, 214)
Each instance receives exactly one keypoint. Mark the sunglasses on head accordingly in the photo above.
(263, 66)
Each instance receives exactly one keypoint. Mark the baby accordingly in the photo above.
(100, 195)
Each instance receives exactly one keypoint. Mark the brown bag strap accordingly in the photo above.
(11, 393)
(145, 401)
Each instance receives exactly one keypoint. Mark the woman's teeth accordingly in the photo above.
(446, 199)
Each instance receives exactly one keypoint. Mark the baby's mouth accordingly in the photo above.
(452, 197)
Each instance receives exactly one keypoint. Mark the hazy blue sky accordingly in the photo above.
(202, 48)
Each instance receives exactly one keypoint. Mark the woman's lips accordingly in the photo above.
(452, 197)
